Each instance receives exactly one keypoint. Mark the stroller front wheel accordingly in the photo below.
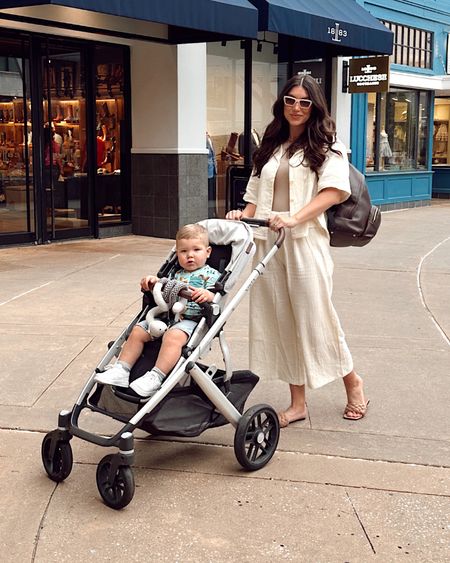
(57, 457)
(117, 491)
(256, 437)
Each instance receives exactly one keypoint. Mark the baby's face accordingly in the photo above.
(192, 253)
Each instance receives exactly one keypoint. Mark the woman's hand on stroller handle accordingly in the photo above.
(234, 215)
(237, 215)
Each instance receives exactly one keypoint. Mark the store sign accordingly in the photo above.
(336, 32)
(315, 68)
(368, 74)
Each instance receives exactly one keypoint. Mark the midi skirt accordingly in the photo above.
(295, 334)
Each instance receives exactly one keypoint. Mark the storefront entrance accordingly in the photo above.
(64, 139)
(17, 210)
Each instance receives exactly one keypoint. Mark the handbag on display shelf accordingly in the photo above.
(355, 221)
(229, 152)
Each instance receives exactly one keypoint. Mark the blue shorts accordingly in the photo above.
(186, 325)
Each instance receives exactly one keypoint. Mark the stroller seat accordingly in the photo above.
(186, 411)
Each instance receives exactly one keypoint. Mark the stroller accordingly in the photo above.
(193, 397)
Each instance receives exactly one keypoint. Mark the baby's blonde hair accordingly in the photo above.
(193, 230)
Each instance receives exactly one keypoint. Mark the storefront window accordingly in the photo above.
(16, 194)
(441, 125)
(110, 119)
(53, 129)
(397, 131)
(264, 88)
(225, 117)
(225, 114)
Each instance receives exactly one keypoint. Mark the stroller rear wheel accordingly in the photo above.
(57, 461)
(256, 437)
(118, 490)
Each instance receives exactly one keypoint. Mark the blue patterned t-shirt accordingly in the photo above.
(204, 277)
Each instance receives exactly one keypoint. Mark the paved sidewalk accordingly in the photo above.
(335, 491)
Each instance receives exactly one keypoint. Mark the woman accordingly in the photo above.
(300, 171)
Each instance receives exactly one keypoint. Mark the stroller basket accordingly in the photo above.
(185, 411)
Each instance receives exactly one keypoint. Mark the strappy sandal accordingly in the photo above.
(357, 409)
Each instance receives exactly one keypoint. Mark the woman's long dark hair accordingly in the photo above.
(316, 139)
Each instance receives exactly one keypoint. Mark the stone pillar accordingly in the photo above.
(169, 156)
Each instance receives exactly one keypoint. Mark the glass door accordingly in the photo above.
(17, 221)
(64, 142)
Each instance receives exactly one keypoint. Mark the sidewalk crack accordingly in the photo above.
(360, 522)
(41, 524)
(423, 300)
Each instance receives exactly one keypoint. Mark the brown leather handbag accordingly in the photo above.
(229, 152)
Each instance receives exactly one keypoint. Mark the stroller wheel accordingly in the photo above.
(118, 492)
(256, 437)
(58, 461)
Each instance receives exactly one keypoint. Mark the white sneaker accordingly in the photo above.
(148, 384)
(115, 375)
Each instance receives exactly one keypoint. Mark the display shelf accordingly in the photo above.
(68, 118)
(12, 141)
(109, 114)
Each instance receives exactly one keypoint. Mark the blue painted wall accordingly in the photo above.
(441, 181)
(431, 15)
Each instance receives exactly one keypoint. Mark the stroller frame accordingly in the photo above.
(257, 430)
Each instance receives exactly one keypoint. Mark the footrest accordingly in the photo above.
(127, 394)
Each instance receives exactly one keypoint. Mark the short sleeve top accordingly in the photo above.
(304, 185)
(204, 277)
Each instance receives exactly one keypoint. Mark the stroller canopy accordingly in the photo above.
(237, 234)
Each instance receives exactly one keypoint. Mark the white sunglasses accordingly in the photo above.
(290, 101)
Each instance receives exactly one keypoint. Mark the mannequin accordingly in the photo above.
(385, 149)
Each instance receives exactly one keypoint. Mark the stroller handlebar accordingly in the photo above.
(264, 223)
(183, 293)
(186, 294)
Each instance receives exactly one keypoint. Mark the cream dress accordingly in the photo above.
(295, 333)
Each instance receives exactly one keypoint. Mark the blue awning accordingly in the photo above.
(189, 20)
(341, 27)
